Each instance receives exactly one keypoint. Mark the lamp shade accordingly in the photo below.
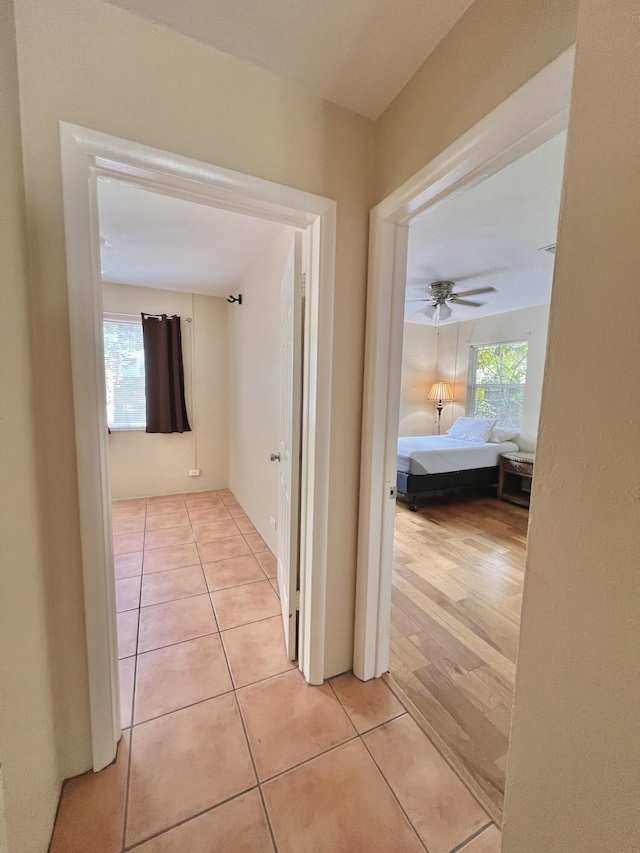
(440, 391)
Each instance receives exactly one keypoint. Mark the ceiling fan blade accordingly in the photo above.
(430, 311)
(417, 300)
(482, 273)
(476, 292)
(445, 312)
(470, 303)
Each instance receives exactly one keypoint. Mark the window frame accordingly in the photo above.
(471, 375)
(133, 319)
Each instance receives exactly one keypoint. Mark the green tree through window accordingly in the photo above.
(497, 376)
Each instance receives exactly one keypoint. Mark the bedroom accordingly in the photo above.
(192, 297)
(474, 347)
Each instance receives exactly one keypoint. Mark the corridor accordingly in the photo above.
(224, 746)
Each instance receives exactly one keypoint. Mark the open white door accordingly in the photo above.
(291, 310)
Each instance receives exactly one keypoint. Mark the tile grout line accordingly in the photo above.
(135, 662)
(302, 763)
(244, 535)
(183, 707)
(137, 652)
(386, 781)
(191, 594)
(255, 769)
(185, 820)
(179, 642)
(246, 737)
(460, 847)
(267, 677)
(306, 760)
(393, 794)
(204, 578)
(252, 622)
(133, 704)
(267, 818)
(280, 773)
(210, 634)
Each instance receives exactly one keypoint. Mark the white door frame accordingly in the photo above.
(86, 154)
(531, 116)
(290, 326)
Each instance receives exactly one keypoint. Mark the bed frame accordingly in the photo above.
(413, 486)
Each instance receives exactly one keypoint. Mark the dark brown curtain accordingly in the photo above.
(164, 374)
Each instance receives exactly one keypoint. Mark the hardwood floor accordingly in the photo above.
(455, 614)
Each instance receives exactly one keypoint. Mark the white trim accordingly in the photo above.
(528, 118)
(85, 155)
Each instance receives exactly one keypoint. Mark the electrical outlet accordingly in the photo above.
(194, 472)
(272, 522)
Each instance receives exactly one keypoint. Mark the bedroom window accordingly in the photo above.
(124, 374)
(497, 376)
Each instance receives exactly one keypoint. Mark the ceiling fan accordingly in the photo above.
(441, 298)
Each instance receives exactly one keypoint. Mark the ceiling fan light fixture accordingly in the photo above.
(442, 298)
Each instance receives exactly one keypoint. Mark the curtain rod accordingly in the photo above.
(155, 316)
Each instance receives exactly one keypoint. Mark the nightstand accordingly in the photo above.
(515, 477)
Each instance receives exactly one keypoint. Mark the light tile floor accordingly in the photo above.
(225, 748)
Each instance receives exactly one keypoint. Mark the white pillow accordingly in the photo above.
(499, 434)
(472, 429)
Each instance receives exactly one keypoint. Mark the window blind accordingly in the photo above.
(124, 374)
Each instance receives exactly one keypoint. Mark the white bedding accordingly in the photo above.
(439, 454)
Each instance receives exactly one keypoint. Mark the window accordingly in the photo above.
(497, 376)
(124, 374)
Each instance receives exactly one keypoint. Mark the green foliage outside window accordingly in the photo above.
(497, 375)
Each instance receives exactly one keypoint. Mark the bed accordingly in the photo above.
(436, 463)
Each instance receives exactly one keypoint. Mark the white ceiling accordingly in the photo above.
(173, 244)
(491, 236)
(356, 53)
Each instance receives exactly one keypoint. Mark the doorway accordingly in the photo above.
(472, 370)
(86, 156)
(531, 117)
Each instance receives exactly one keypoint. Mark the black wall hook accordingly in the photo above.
(237, 299)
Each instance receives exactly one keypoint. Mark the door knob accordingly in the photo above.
(275, 457)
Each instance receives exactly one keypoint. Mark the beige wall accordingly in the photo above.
(4, 840)
(92, 64)
(572, 763)
(573, 779)
(419, 356)
(142, 464)
(494, 49)
(30, 776)
(254, 388)
(455, 340)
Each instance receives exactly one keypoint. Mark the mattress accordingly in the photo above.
(439, 454)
